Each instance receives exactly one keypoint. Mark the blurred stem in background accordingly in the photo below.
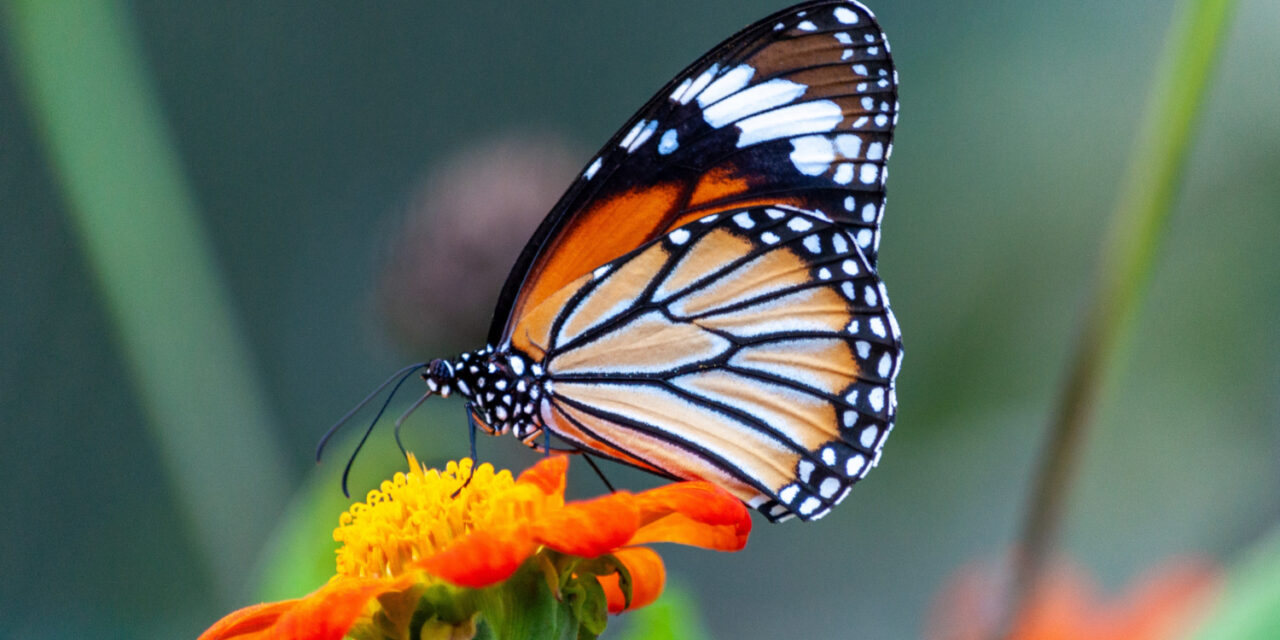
(105, 138)
(1137, 228)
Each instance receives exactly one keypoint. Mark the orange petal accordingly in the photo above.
(693, 513)
(648, 576)
(591, 527)
(326, 614)
(249, 622)
(483, 557)
(548, 475)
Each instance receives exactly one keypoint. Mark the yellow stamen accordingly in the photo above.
(416, 514)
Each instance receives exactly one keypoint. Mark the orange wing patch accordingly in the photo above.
(769, 460)
(649, 343)
(766, 274)
(619, 289)
(609, 229)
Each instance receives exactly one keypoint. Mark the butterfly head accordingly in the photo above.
(501, 388)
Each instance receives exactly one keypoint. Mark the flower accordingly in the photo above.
(432, 554)
(1066, 606)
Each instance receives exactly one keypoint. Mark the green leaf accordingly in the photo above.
(673, 617)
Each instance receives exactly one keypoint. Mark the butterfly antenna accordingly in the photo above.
(404, 416)
(405, 372)
(372, 423)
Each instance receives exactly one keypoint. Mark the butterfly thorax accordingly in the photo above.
(502, 388)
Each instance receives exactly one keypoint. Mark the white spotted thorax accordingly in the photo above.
(502, 388)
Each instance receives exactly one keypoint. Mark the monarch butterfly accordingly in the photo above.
(703, 302)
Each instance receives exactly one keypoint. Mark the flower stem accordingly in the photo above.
(1137, 228)
(100, 121)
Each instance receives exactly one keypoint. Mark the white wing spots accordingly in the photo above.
(870, 296)
(850, 418)
(882, 120)
(868, 103)
(788, 493)
(601, 271)
(868, 437)
(869, 173)
(854, 465)
(681, 90)
(873, 51)
(775, 214)
(841, 245)
(828, 456)
(809, 505)
(733, 81)
(877, 327)
(849, 203)
(743, 220)
(631, 135)
(823, 273)
(697, 86)
(886, 365)
(807, 25)
(593, 168)
(876, 400)
(829, 487)
(844, 38)
(740, 104)
(669, 142)
(860, 123)
(850, 145)
(812, 155)
(813, 244)
(639, 134)
(850, 267)
(860, 69)
(805, 469)
(864, 351)
(517, 365)
(869, 212)
(799, 224)
(679, 236)
(798, 119)
(769, 237)
(864, 238)
(847, 288)
(844, 173)
(846, 15)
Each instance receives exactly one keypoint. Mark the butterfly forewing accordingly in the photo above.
(753, 347)
(796, 109)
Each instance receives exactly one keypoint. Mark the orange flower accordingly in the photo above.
(1162, 606)
(432, 537)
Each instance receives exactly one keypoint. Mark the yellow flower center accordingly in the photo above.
(415, 515)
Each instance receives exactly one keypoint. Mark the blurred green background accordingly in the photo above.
(303, 138)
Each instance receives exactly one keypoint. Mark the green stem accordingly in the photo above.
(100, 120)
(1138, 223)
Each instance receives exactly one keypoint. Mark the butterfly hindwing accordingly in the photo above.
(754, 348)
(796, 109)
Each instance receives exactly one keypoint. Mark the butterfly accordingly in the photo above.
(703, 302)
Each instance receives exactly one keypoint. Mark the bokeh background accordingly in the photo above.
(362, 175)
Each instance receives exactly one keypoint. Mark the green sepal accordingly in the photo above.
(526, 607)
